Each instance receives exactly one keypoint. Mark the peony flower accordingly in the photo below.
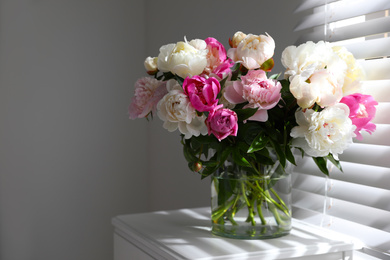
(354, 73)
(150, 65)
(148, 91)
(258, 90)
(362, 111)
(183, 58)
(309, 57)
(218, 65)
(320, 133)
(253, 51)
(216, 52)
(316, 73)
(202, 92)
(176, 111)
(321, 88)
(222, 122)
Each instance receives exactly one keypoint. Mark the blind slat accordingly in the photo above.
(370, 49)
(382, 116)
(376, 69)
(372, 27)
(379, 137)
(341, 10)
(380, 89)
(343, 209)
(374, 176)
(377, 155)
(347, 191)
(310, 4)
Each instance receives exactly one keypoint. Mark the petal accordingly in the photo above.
(261, 115)
(233, 93)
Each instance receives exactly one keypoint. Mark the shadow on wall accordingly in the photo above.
(70, 159)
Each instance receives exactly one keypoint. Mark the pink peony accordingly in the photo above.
(258, 90)
(202, 92)
(223, 70)
(362, 111)
(148, 91)
(217, 62)
(222, 122)
(216, 51)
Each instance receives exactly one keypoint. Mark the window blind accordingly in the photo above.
(356, 201)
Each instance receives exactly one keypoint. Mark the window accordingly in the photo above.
(357, 200)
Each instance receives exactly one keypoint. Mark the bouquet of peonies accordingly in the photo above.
(226, 102)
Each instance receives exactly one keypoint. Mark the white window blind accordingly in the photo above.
(357, 200)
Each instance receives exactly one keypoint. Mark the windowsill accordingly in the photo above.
(185, 234)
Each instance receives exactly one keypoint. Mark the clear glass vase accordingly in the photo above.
(247, 205)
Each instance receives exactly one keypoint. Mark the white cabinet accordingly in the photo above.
(185, 234)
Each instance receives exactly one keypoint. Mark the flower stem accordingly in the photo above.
(249, 204)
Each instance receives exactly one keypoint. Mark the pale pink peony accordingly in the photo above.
(222, 122)
(202, 92)
(321, 88)
(148, 92)
(253, 50)
(258, 90)
(362, 111)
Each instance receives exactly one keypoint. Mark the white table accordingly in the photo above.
(185, 234)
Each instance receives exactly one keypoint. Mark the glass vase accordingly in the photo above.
(245, 205)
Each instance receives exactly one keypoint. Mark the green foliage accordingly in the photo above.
(253, 143)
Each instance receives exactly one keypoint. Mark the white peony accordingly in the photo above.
(184, 59)
(321, 88)
(316, 72)
(253, 50)
(150, 64)
(177, 112)
(321, 133)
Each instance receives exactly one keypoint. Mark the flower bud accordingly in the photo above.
(151, 65)
(237, 38)
(197, 167)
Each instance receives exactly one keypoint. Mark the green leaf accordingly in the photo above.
(285, 85)
(239, 159)
(268, 65)
(235, 67)
(244, 114)
(224, 154)
(189, 154)
(274, 76)
(279, 153)
(335, 162)
(289, 155)
(262, 156)
(222, 83)
(208, 170)
(168, 75)
(321, 163)
(180, 80)
(260, 141)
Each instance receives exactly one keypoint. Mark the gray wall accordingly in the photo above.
(70, 159)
